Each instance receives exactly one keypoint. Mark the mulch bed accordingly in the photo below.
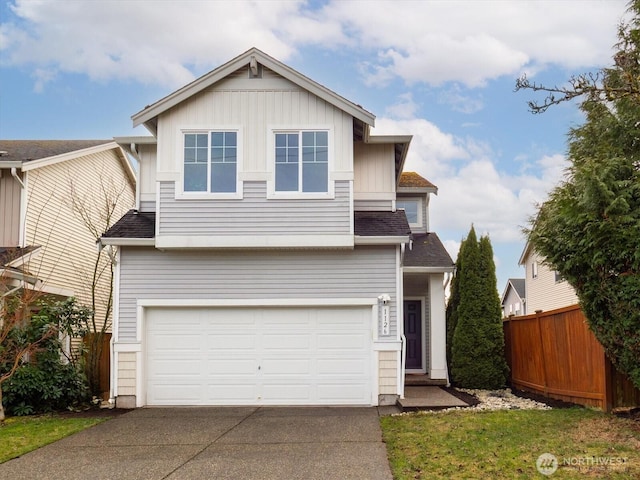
(552, 402)
(94, 412)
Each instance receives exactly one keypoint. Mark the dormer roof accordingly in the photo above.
(411, 182)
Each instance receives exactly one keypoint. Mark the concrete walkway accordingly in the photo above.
(217, 443)
(428, 398)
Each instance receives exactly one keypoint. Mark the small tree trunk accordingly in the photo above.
(1, 406)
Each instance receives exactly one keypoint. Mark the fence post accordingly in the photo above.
(543, 356)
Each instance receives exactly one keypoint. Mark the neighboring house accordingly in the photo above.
(267, 261)
(44, 244)
(514, 297)
(545, 288)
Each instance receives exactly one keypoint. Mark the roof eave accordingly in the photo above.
(127, 242)
(380, 240)
(418, 190)
(440, 269)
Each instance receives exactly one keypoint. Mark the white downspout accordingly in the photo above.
(14, 174)
(400, 320)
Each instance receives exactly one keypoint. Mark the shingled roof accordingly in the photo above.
(381, 224)
(427, 251)
(413, 180)
(133, 224)
(27, 150)
(136, 224)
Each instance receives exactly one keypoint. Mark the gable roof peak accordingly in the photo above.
(148, 116)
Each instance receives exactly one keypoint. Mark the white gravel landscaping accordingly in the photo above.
(502, 400)
(490, 400)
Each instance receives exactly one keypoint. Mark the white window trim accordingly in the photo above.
(271, 163)
(180, 193)
(420, 222)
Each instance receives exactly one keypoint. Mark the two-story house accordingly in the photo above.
(514, 299)
(271, 259)
(545, 288)
(49, 191)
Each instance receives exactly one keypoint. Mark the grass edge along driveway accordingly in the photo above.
(505, 444)
(20, 435)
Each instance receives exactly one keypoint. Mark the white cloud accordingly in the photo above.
(167, 43)
(471, 187)
(150, 42)
(471, 42)
(404, 108)
(460, 102)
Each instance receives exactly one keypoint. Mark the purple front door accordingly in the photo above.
(413, 333)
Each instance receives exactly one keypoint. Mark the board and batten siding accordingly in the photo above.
(254, 214)
(10, 194)
(147, 174)
(146, 273)
(68, 252)
(543, 292)
(256, 105)
(373, 169)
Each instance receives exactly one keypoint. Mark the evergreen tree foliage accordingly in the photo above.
(478, 340)
(589, 228)
(451, 314)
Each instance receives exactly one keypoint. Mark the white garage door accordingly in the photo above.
(258, 356)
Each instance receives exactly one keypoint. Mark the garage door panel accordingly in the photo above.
(349, 393)
(233, 341)
(300, 367)
(232, 367)
(349, 342)
(284, 393)
(342, 368)
(286, 341)
(232, 394)
(255, 356)
(289, 319)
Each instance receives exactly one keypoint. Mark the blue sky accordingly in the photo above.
(443, 71)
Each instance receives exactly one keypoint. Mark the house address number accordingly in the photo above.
(385, 320)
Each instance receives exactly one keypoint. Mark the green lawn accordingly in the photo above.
(505, 444)
(19, 435)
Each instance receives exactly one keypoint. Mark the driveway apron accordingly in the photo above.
(217, 443)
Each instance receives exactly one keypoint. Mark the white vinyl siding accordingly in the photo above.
(257, 105)
(254, 214)
(147, 174)
(543, 292)
(10, 194)
(374, 169)
(372, 205)
(513, 304)
(68, 253)
(365, 272)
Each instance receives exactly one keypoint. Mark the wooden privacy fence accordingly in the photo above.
(104, 366)
(555, 354)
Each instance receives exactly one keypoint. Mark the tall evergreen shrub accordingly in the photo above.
(478, 340)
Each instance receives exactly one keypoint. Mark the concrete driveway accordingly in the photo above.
(217, 443)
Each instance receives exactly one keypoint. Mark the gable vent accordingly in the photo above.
(255, 69)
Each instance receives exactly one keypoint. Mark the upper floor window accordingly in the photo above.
(412, 211)
(302, 161)
(211, 162)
